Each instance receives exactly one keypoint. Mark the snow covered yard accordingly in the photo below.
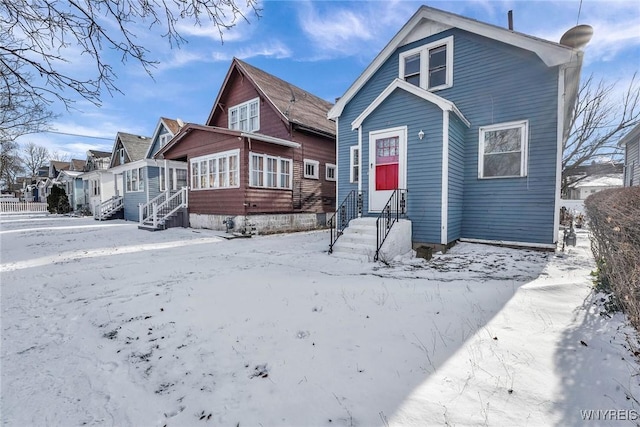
(105, 324)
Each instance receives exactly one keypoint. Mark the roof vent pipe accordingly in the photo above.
(510, 16)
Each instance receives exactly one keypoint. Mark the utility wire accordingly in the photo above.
(76, 134)
(579, 10)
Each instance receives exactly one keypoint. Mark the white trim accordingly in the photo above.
(328, 166)
(351, 164)
(552, 54)
(423, 51)
(139, 169)
(316, 169)
(444, 104)
(402, 132)
(278, 171)
(524, 144)
(444, 222)
(335, 205)
(270, 139)
(207, 158)
(559, 154)
(360, 151)
(510, 243)
(248, 119)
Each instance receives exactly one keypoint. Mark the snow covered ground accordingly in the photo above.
(105, 324)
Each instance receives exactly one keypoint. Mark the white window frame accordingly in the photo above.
(235, 119)
(354, 154)
(164, 139)
(424, 63)
(129, 180)
(316, 167)
(279, 173)
(330, 167)
(524, 147)
(202, 179)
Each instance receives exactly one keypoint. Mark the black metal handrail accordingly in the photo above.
(349, 209)
(395, 209)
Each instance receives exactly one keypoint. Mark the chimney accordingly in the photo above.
(510, 15)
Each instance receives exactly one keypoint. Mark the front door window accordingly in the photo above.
(387, 162)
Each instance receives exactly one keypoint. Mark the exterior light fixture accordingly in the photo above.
(421, 134)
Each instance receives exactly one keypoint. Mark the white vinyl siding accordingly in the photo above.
(269, 171)
(503, 150)
(219, 170)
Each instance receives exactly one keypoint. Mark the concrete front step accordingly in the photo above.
(359, 240)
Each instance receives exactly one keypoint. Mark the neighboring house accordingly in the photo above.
(265, 159)
(470, 119)
(98, 182)
(631, 144)
(139, 178)
(583, 188)
(71, 181)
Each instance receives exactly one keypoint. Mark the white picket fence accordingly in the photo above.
(22, 207)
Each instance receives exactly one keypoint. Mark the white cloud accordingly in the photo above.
(273, 49)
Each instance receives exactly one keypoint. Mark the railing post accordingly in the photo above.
(140, 214)
(155, 215)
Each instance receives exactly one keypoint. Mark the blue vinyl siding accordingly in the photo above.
(457, 132)
(492, 83)
(155, 146)
(134, 198)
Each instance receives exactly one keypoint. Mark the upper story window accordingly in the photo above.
(430, 66)
(245, 116)
(503, 150)
(164, 138)
(330, 172)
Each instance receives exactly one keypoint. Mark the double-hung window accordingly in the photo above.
(134, 180)
(430, 66)
(330, 172)
(354, 163)
(269, 171)
(245, 116)
(311, 168)
(219, 170)
(503, 150)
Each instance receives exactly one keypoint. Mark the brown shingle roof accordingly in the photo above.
(295, 104)
(78, 165)
(172, 125)
(99, 154)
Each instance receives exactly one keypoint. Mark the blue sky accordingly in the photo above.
(320, 46)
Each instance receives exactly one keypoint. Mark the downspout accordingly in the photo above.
(560, 143)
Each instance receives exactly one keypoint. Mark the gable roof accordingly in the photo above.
(294, 105)
(77, 164)
(553, 54)
(98, 154)
(171, 125)
(135, 146)
(629, 137)
(189, 127)
(443, 104)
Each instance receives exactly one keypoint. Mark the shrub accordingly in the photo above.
(57, 201)
(615, 241)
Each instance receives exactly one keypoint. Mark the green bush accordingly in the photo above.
(57, 201)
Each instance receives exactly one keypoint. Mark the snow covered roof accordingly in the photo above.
(612, 180)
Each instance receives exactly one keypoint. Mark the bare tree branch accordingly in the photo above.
(34, 157)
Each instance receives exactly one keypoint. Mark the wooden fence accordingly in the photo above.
(22, 207)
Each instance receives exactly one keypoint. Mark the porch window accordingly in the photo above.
(430, 66)
(269, 171)
(213, 171)
(354, 163)
(330, 172)
(134, 180)
(245, 116)
(311, 168)
(503, 150)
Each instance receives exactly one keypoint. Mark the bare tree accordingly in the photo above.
(598, 123)
(10, 165)
(59, 157)
(34, 157)
(35, 33)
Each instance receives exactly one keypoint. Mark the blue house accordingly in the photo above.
(140, 180)
(460, 124)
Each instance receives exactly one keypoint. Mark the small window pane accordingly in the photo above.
(412, 65)
(438, 57)
(233, 171)
(507, 164)
(285, 174)
(503, 141)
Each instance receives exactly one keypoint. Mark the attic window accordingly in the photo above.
(430, 66)
(245, 116)
(164, 138)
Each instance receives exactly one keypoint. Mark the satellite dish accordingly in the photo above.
(180, 122)
(577, 37)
